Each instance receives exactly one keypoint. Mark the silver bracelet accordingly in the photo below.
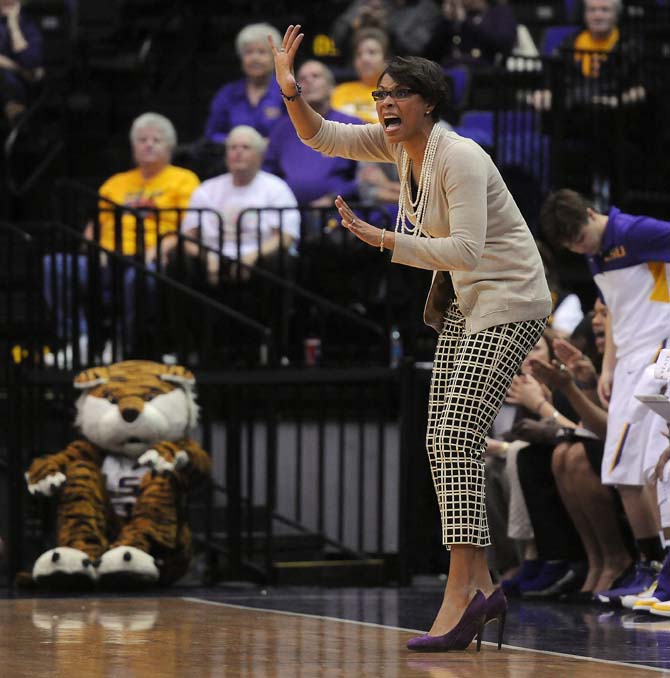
(381, 242)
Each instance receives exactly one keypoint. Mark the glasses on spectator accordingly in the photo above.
(397, 93)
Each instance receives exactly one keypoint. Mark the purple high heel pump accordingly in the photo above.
(469, 626)
(496, 610)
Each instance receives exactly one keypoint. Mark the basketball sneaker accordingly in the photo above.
(662, 592)
(629, 601)
(554, 578)
(527, 572)
(639, 579)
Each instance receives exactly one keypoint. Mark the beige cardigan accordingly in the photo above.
(475, 230)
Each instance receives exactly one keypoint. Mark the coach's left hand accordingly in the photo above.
(361, 229)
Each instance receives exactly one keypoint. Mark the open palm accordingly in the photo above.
(284, 57)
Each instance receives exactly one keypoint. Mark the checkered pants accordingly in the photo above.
(471, 376)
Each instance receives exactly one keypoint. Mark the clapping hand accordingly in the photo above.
(554, 374)
(580, 366)
(525, 391)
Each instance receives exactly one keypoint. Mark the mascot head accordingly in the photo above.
(129, 406)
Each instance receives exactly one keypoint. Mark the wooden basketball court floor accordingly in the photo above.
(309, 632)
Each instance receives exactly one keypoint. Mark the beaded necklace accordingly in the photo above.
(416, 207)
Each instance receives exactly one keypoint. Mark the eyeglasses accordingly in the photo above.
(398, 93)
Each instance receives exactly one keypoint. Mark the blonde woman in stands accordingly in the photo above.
(254, 99)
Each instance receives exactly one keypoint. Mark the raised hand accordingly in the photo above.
(284, 57)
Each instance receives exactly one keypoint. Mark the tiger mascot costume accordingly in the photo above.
(121, 488)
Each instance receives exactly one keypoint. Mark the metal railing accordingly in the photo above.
(51, 146)
(115, 305)
(325, 281)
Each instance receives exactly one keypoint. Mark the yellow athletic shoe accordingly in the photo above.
(631, 601)
(661, 609)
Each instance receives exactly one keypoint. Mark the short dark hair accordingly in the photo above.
(422, 76)
(562, 216)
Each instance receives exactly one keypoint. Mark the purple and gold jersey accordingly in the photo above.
(632, 271)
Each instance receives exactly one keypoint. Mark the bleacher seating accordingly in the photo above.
(553, 37)
(121, 58)
(57, 21)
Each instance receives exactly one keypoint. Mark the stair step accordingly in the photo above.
(366, 572)
(290, 546)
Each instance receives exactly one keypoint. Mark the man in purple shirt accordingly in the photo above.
(20, 57)
(315, 179)
(254, 100)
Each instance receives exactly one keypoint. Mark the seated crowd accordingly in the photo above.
(577, 468)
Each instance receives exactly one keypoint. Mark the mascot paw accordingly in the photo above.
(48, 486)
(156, 462)
(64, 568)
(126, 567)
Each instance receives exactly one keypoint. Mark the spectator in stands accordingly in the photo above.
(262, 238)
(629, 257)
(370, 52)
(601, 35)
(473, 32)
(255, 99)
(407, 23)
(314, 178)
(20, 58)
(154, 184)
(593, 77)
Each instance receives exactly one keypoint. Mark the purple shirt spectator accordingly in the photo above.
(231, 107)
(310, 174)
